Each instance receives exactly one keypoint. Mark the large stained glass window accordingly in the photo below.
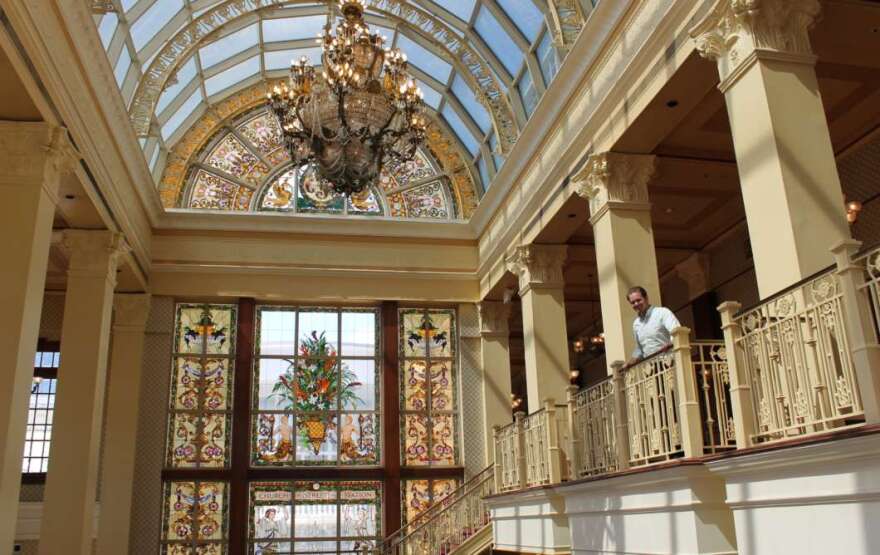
(248, 169)
(314, 517)
(200, 404)
(316, 399)
(427, 391)
(418, 495)
(195, 518)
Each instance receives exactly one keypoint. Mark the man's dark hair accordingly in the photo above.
(637, 289)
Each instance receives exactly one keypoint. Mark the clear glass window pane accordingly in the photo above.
(525, 15)
(484, 172)
(233, 75)
(229, 46)
(457, 125)
(461, 8)
(107, 28)
(181, 114)
(548, 59)
(292, 28)
(122, 65)
(527, 92)
(153, 20)
(185, 75)
(431, 97)
(424, 59)
(497, 39)
(281, 59)
(466, 96)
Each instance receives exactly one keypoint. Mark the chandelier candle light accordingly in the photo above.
(362, 112)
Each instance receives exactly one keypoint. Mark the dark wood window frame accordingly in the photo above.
(240, 473)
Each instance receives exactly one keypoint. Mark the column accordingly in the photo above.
(34, 156)
(71, 482)
(616, 186)
(495, 349)
(790, 187)
(124, 384)
(539, 268)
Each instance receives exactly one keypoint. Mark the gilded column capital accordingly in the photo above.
(736, 32)
(612, 178)
(131, 311)
(537, 266)
(494, 318)
(93, 253)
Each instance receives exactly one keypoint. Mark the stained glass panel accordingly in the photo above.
(231, 156)
(418, 495)
(314, 195)
(210, 192)
(313, 407)
(195, 517)
(426, 201)
(200, 400)
(365, 203)
(279, 196)
(314, 517)
(427, 387)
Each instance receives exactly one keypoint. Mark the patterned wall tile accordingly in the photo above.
(860, 180)
(145, 513)
(471, 390)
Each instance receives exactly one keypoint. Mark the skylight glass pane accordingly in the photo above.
(154, 159)
(233, 75)
(528, 93)
(280, 59)
(293, 28)
(461, 8)
(547, 58)
(107, 28)
(122, 65)
(424, 59)
(432, 97)
(229, 46)
(493, 146)
(126, 4)
(181, 114)
(465, 95)
(153, 20)
(451, 117)
(484, 172)
(525, 15)
(497, 39)
(186, 74)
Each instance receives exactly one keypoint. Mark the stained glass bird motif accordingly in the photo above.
(426, 333)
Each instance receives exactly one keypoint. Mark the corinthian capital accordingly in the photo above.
(93, 253)
(538, 266)
(736, 29)
(494, 316)
(131, 310)
(610, 177)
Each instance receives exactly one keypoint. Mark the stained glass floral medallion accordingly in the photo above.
(427, 388)
(316, 399)
(195, 518)
(314, 516)
(262, 131)
(200, 400)
(426, 201)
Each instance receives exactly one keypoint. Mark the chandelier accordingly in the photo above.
(362, 112)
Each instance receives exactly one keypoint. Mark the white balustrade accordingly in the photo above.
(709, 359)
(594, 450)
(651, 406)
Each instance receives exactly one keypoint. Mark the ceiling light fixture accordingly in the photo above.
(361, 111)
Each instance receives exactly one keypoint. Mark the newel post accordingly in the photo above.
(554, 452)
(574, 435)
(519, 418)
(859, 327)
(741, 399)
(688, 404)
(621, 425)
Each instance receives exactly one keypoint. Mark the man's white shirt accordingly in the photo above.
(652, 331)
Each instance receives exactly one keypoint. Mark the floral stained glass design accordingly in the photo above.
(316, 396)
(195, 518)
(248, 169)
(427, 354)
(418, 495)
(200, 402)
(314, 517)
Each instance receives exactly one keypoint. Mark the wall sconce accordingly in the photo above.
(578, 345)
(597, 340)
(515, 402)
(573, 375)
(853, 208)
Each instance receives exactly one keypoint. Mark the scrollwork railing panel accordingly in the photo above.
(652, 410)
(593, 418)
(713, 389)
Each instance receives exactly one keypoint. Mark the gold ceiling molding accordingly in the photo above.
(173, 182)
(568, 19)
(186, 41)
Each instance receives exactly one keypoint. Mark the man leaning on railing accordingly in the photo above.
(652, 326)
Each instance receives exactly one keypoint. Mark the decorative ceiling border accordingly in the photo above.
(173, 182)
(568, 20)
(186, 41)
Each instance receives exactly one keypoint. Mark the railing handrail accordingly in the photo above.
(442, 503)
(486, 476)
(827, 270)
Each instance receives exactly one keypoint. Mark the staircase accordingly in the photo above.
(458, 524)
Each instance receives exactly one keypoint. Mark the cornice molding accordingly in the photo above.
(611, 179)
(538, 266)
(736, 29)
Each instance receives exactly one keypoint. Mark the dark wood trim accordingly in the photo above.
(391, 417)
(427, 472)
(33, 478)
(238, 495)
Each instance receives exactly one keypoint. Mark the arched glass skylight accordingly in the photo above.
(513, 37)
